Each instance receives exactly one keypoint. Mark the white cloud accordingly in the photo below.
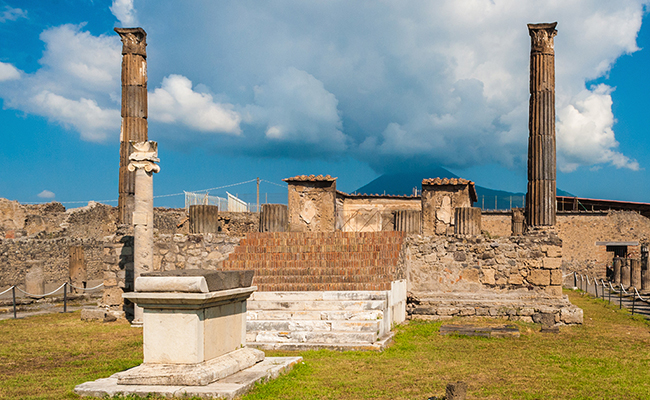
(46, 194)
(12, 14)
(584, 132)
(8, 72)
(176, 103)
(443, 81)
(76, 85)
(124, 11)
(93, 122)
(294, 106)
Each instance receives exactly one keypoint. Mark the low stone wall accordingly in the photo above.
(477, 264)
(178, 251)
(17, 256)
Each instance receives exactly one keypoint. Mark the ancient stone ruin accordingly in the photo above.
(334, 269)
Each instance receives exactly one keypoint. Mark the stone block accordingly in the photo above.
(488, 276)
(470, 274)
(552, 251)
(93, 314)
(554, 291)
(571, 315)
(540, 277)
(556, 277)
(515, 279)
(112, 297)
(552, 263)
(447, 310)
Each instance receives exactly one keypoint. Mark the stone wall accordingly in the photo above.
(17, 256)
(526, 264)
(371, 214)
(438, 204)
(312, 205)
(581, 231)
(177, 251)
(497, 223)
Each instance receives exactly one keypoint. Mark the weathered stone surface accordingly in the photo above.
(229, 388)
(215, 280)
(540, 277)
(93, 314)
(200, 374)
(571, 315)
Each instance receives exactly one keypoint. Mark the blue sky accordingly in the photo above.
(240, 89)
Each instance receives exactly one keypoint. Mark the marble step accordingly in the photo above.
(318, 296)
(331, 337)
(312, 326)
(322, 305)
(316, 315)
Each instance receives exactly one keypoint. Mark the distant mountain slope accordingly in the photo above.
(403, 183)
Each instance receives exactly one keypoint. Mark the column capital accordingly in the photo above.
(134, 40)
(541, 37)
(144, 155)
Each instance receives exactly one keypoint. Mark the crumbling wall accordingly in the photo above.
(17, 256)
(178, 251)
(312, 206)
(371, 214)
(438, 204)
(527, 264)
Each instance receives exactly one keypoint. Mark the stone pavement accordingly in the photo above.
(227, 388)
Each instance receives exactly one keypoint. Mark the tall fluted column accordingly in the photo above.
(142, 163)
(134, 111)
(541, 198)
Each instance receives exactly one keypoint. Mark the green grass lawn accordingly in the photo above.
(606, 358)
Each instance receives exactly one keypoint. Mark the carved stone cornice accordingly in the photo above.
(145, 156)
(134, 40)
(541, 37)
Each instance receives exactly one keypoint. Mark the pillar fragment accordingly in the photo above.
(541, 197)
(134, 112)
(143, 161)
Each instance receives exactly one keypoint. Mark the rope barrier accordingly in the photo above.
(42, 295)
(86, 289)
(7, 290)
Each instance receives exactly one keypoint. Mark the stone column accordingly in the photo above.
(143, 161)
(517, 221)
(274, 218)
(541, 197)
(409, 221)
(134, 112)
(625, 273)
(468, 221)
(617, 270)
(635, 273)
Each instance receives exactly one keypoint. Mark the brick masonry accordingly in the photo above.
(314, 261)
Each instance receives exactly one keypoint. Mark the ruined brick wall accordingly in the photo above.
(18, 255)
(497, 223)
(312, 206)
(178, 251)
(581, 231)
(371, 214)
(528, 264)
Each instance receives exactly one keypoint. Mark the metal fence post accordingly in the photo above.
(609, 295)
(13, 294)
(65, 297)
(633, 302)
(620, 298)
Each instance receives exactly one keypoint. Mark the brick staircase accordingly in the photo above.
(318, 261)
(337, 290)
